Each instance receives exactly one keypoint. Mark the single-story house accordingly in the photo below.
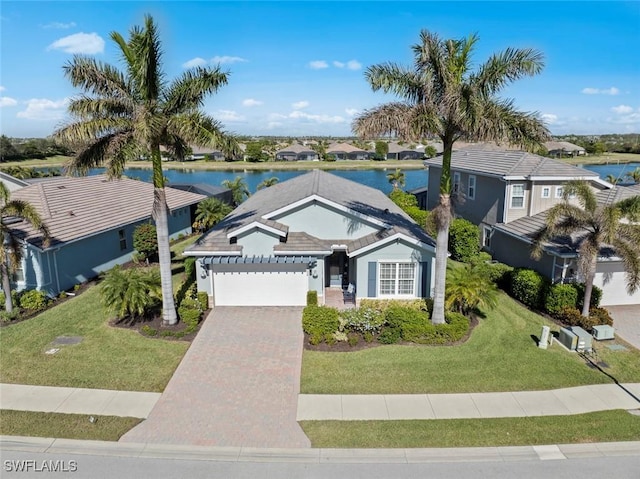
(296, 152)
(345, 151)
(313, 232)
(403, 152)
(91, 221)
(564, 148)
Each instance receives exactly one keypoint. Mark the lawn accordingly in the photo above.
(68, 426)
(605, 158)
(606, 426)
(501, 355)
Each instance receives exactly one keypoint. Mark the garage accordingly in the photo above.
(610, 278)
(259, 280)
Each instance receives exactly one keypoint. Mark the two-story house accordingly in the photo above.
(506, 193)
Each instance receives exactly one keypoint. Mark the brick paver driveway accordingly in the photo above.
(626, 321)
(237, 385)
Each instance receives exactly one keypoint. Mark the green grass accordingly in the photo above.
(606, 426)
(605, 158)
(68, 426)
(499, 356)
(107, 358)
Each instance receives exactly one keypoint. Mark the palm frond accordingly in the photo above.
(629, 253)
(95, 77)
(584, 193)
(188, 92)
(197, 128)
(390, 118)
(90, 108)
(507, 66)
(393, 78)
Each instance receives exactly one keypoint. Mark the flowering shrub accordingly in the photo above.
(361, 320)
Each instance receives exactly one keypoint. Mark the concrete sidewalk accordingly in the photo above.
(578, 400)
(100, 402)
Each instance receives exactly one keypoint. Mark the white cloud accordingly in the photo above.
(2, 88)
(251, 102)
(7, 101)
(59, 25)
(86, 43)
(273, 124)
(351, 111)
(622, 109)
(604, 91)
(301, 115)
(194, 62)
(226, 59)
(318, 64)
(277, 116)
(549, 118)
(228, 115)
(44, 109)
(338, 64)
(300, 104)
(354, 65)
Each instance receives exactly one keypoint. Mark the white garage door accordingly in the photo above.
(260, 289)
(614, 289)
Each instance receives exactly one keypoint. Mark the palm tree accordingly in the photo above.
(11, 212)
(210, 212)
(397, 178)
(268, 182)
(595, 225)
(468, 288)
(125, 115)
(442, 96)
(612, 179)
(239, 190)
(635, 175)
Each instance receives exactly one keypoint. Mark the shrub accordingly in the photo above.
(362, 319)
(464, 240)
(569, 315)
(596, 295)
(130, 292)
(312, 298)
(528, 287)
(560, 296)
(330, 339)
(418, 215)
(411, 323)
(33, 300)
(145, 239)
(469, 288)
(148, 330)
(600, 316)
(203, 299)
(403, 199)
(389, 335)
(190, 268)
(382, 305)
(368, 336)
(319, 321)
(353, 339)
(6, 317)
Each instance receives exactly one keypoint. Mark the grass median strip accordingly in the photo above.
(67, 426)
(606, 426)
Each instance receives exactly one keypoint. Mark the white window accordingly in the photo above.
(397, 279)
(471, 192)
(486, 236)
(546, 192)
(517, 196)
(559, 191)
(456, 182)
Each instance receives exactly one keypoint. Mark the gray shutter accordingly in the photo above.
(371, 292)
(424, 279)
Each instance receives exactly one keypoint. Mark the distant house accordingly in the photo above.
(563, 148)
(210, 191)
(345, 151)
(311, 233)
(91, 221)
(403, 152)
(507, 193)
(296, 152)
(212, 154)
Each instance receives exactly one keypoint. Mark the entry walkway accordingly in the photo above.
(578, 400)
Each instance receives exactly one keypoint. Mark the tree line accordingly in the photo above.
(16, 149)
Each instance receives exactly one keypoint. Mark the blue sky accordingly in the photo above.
(297, 68)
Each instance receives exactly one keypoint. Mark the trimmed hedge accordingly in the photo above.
(529, 287)
(320, 322)
(560, 296)
(312, 298)
(414, 326)
(464, 240)
(596, 295)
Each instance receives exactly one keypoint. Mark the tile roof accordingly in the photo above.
(295, 148)
(77, 207)
(511, 163)
(362, 199)
(343, 147)
(300, 241)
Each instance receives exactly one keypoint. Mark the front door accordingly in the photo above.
(336, 269)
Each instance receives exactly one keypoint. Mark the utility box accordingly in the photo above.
(603, 332)
(568, 339)
(584, 338)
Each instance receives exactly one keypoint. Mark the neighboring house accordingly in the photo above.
(210, 191)
(313, 232)
(506, 193)
(91, 222)
(199, 153)
(345, 151)
(11, 182)
(403, 152)
(296, 152)
(563, 148)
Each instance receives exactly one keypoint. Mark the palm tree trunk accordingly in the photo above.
(6, 287)
(588, 285)
(161, 219)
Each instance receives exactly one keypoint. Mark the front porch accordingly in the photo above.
(335, 298)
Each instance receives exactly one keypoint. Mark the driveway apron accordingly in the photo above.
(237, 385)
(626, 321)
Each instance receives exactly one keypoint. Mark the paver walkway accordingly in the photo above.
(237, 385)
(626, 321)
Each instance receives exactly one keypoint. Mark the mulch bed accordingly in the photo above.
(345, 347)
(156, 323)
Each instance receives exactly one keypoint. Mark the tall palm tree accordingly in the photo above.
(441, 95)
(11, 212)
(125, 115)
(239, 190)
(268, 182)
(595, 225)
(397, 178)
(210, 212)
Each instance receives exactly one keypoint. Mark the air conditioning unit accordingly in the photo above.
(603, 332)
(568, 339)
(584, 339)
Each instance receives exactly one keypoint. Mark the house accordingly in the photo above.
(563, 148)
(403, 152)
(506, 193)
(210, 191)
(91, 222)
(311, 233)
(296, 152)
(345, 151)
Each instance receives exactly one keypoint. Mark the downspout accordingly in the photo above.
(530, 198)
(55, 267)
(505, 208)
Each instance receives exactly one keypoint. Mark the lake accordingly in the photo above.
(374, 178)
